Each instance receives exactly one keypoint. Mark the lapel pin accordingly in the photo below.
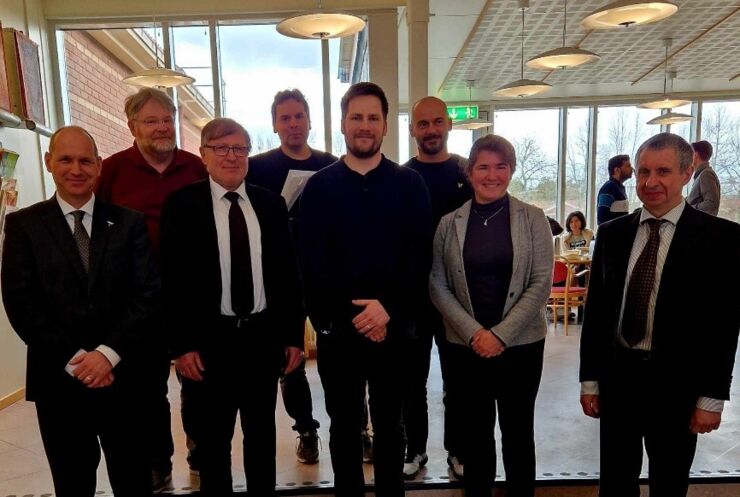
(110, 223)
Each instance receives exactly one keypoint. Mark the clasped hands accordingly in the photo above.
(372, 321)
(486, 344)
(93, 369)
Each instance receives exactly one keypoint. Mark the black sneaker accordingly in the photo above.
(367, 447)
(456, 466)
(413, 465)
(308, 447)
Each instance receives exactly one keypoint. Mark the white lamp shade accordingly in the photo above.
(627, 13)
(522, 88)
(321, 25)
(562, 57)
(471, 124)
(158, 77)
(664, 103)
(671, 118)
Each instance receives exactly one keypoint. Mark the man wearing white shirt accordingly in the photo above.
(653, 370)
(78, 287)
(233, 300)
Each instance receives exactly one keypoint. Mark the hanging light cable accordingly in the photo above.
(562, 57)
(522, 87)
(666, 102)
(158, 77)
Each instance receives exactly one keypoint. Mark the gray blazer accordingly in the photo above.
(531, 278)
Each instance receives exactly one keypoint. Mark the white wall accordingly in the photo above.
(26, 16)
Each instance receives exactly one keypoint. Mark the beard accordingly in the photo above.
(162, 146)
(366, 152)
(426, 146)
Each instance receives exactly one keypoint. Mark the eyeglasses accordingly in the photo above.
(153, 123)
(223, 150)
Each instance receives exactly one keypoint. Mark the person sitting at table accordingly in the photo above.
(490, 280)
(577, 235)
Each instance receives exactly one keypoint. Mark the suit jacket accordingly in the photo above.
(191, 271)
(57, 309)
(697, 310)
(531, 278)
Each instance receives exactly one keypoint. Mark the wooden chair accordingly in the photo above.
(568, 295)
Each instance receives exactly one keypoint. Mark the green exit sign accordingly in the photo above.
(460, 112)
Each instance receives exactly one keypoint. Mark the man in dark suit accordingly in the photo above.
(78, 286)
(653, 366)
(232, 291)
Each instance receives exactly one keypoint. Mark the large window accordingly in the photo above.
(721, 127)
(534, 134)
(621, 130)
(576, 161)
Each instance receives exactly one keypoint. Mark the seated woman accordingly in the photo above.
(577, 235)
(490, 281)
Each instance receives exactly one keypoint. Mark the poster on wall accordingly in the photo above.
(4, 92)
(24, 75)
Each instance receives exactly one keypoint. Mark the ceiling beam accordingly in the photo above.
(694, 40)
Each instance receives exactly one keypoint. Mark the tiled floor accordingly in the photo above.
(567, 443)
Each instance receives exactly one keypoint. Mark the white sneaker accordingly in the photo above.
(413, 465)
(457, 467)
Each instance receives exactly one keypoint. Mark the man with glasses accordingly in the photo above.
(233, 298)
(141, 177)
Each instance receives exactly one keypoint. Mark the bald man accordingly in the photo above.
(79, 286)
(448, 187)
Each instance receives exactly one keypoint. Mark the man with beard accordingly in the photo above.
(291, 120)
(140, 178)
(444, 175)
(365, 234)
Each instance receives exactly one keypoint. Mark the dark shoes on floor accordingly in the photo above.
(308, 447)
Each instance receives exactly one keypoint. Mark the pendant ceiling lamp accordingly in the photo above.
(158, 77)
(671, 117)
(666, 102)
(522, 87)
(320, 25)
(562, 57)
(625, 13)
(472, 123)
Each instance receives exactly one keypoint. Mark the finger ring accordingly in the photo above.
(88, 378)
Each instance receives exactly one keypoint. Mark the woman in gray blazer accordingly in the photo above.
(490, 280)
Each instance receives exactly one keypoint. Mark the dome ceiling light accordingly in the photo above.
(320, 25)
(522, 87)
(671, 117)
(562, 57)
(626, 13)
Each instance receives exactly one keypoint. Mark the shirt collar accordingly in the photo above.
(68, 208)
(699, 168)
(219, 191)
(672, 216)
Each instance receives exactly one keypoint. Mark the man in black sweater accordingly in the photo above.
(365, 236)
(291, 120)
(444, 175)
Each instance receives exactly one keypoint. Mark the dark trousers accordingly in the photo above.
(415, 411)
(242, 367)
(297, 399)
(506, 385)
(347, 361)
(76, 424)
(638, 403)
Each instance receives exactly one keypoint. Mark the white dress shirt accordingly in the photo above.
(221, 206)
(67, 210)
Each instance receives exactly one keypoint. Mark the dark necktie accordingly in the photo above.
(642, 280)
(242, 288)
(82, 239)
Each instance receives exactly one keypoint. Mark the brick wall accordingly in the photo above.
(96, 95)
